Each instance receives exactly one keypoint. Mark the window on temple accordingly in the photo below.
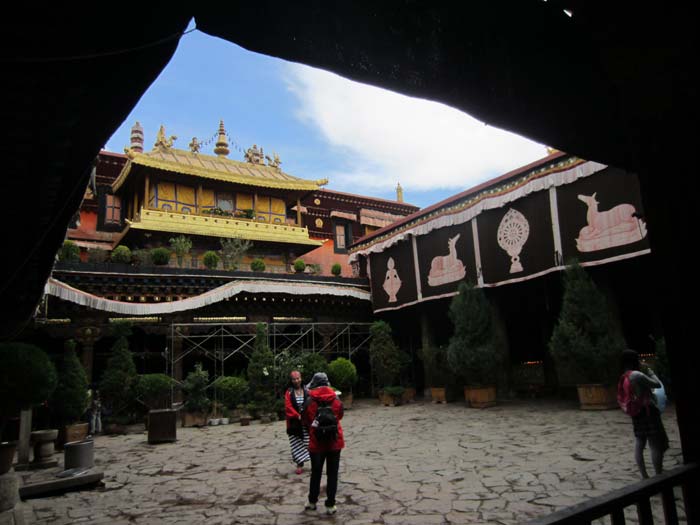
(270, 208)
(169, 196)
(340, 237)
(224, 201)
(113, 210)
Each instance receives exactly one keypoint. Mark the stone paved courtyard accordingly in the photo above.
(414, 464)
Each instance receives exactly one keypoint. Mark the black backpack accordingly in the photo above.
(327, 428)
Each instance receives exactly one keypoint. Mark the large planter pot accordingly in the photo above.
(76, 432)
(390, 401)
(194, 419)
(409, 395)
(480, 396)
(437, 394)
(7, 455)
(43, 442)
(79, 454)
(347, 400)
(162, 426)
(245, 421)
(597, 397)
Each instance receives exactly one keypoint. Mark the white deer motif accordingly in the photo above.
(446, 268)
(606, 229)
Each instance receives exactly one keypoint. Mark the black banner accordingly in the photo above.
(445, 258)
(601, 216)
(393, 276)
(516, 240)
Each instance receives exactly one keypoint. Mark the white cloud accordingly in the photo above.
(387, 138)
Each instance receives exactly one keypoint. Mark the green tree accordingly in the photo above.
(232, 389)
(211, 260)
(232, 252)
(261, 370)
(160, 256)
(181, 245)
(70, 399)
(195, 388)
(385, 356)
(299, 265)
(336, 269)
(475, 351)
(154, 390)
(257, 265)
(342, 373)
(586, 344)
(121, 254)
(118, 384)
(69, 252)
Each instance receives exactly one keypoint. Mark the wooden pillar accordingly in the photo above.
(145, 192)
(299, 212)
(255, 206)
(87, 336)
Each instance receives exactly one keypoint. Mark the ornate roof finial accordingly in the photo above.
(195, 145)
(254, 155)
(399, 192)
(136, 138)
(274, 162)
(161, 141)
(221, 148)
(551, 150)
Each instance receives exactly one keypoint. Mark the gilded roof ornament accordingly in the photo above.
(221, 148)
(321, 182)
(274, 162)
(161, 141)
(254, 155)
(399, 192)
(195, 145)
(551, 150)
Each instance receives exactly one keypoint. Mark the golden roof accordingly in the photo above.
(216, 168)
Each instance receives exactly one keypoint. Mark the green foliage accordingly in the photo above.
(97, 256)
(585, 343)
(195, 388)
(434, 365)
(384, 355)
(70, 399)
(394, 391)
(257, 265)
(27, 377)
(69, 252)
(312, 362)
(261, 364)
(117, 387)
(154, 390)
(336, 269)
(474, 351)
(233, 250)
(181, 245)
(211, 260)
(342, 373)
(160, 256)
(232, 390)
(121, 254)
(141, 257)
(299, 265)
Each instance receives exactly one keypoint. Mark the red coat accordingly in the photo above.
(289, 411)
(326, 395)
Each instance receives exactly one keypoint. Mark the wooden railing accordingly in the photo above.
(687, 477)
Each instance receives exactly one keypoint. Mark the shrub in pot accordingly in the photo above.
(336, 269)
(197, 403)
(70, 399)
(141, 257)
(211, 260)
(586, 344)
(435, 371)
(475, 351)
(27, 379)
(154, 390)
(299, 266)
(233, 250)
(181, 245)
(121, 254)
(232, 390)
(160, 256)
(98, 256)
(343, 374)
(257, 265)
(385, 357)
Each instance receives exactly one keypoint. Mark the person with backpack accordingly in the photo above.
(294, 402)
(322, 416)
(636, 398)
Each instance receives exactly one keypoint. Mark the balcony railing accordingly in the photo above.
(687, 477)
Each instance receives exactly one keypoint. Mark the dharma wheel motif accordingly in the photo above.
(512, 236)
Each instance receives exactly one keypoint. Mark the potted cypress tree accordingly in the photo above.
(585, 344)
(435, 368)
(197, 403)
(117, 387)
(385, 358)
(260, 374)
(181, 245)
(343, 374)
(70, 399)
(475, 351)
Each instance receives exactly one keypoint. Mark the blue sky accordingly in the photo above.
(363, 139)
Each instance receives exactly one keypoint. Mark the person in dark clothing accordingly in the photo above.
(647, 424)
(294, 401)
(323, 451)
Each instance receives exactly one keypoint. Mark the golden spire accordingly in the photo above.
(399, 192)
(221, 148)
(161, 141)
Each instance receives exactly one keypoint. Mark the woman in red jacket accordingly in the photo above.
(322, 416)
(294, 401)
